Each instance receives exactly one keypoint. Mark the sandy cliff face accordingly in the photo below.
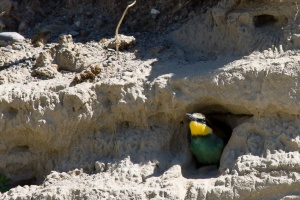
(125, 135)
(241, 27)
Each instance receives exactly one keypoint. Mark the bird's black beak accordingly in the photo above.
(190, 116)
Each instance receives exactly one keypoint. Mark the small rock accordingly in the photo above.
(44, 66)
(8, 38)
(64, 175)
(99, 166)
(54, 175)
(66, 41)
(103, 40)
(77, 23)
(44, 59)
(88, 74)
(17, 47)
(46, 72)
(234, 173)
(126, 42)
(41, 38)
(154, 11)
(78, 172)
(74, 33)
(7, 49)
(69, 60)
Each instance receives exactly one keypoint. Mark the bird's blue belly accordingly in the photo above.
(207, 149)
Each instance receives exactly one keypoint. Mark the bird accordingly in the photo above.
(207, 142)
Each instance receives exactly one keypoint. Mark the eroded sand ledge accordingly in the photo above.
(127, 137)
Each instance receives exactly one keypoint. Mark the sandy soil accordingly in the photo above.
(78, 121)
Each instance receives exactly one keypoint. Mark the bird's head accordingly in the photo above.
(198, 125)
(198, 117)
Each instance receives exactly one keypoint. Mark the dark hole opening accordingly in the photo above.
(14, 177)
(6, 184)
(20, 148)
(224, 123)
(220, 126)
(264, 20)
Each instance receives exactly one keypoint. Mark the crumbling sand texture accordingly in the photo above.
(124, 135)
(240, 27)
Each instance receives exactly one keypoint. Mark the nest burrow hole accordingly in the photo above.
(269, 21)
(222, 118)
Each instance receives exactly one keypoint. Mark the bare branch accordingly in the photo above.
(118, 42)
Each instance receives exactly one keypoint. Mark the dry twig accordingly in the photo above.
(118, 42)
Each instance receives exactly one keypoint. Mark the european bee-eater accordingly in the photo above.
(206, 145)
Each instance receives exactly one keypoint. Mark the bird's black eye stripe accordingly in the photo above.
(201, 121)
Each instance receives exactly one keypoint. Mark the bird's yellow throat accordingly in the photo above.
(198, 129)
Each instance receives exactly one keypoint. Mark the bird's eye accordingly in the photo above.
(201, 120)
